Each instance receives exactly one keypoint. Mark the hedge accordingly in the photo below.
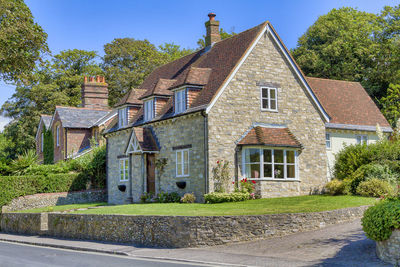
(217, 197)
(16, 186)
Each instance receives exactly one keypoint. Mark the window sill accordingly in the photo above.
(182, 176)
(274, 180)
(269, 110)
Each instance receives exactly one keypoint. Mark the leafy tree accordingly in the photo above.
(22, 41)
(201, 42)
(54, 82)
(127, 62)
(391, 104)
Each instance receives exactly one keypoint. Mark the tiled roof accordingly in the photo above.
(132, 97)
(347, 102)
(209, 67)
(146, 139)
(46, 120)
(280, 137)
(80, 117)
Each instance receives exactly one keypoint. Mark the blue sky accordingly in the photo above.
(89, 24)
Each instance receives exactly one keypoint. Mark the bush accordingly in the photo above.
(335, 187)
(15, 186)
(217, 197)
(379, 220)
(374, 188)
(146, 197)
(188, 198)
(23, 161)
(165, 197)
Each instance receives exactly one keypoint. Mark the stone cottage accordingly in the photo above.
(242, 100)
(73, 127)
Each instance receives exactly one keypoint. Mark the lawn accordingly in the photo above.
(251, 207)
(64, 207)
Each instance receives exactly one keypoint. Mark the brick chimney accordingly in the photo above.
(212, 28)
(95, 93)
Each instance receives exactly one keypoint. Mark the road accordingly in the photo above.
(19, 255)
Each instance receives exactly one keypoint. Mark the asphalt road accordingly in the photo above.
(17, 255)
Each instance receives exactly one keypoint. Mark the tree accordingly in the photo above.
(127, 62)
(54, 82)
(201, 42)
(22, 41)
(348, 44)
(391, 104)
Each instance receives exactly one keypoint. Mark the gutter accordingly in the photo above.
(204, 114)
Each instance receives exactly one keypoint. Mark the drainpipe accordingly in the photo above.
(130, 198)
(236, 167)
(143, 173)
(204, 114)
(107, 173)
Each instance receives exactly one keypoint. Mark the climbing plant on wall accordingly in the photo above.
(48, 147)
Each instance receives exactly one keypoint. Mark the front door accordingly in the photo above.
(151, 173)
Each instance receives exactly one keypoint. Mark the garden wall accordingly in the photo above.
(21, 223)
(55, 199)
(389, 250)
(183, 231)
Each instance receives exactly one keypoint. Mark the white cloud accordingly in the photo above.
(3, 122)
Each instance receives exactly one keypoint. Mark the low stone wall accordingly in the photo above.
(21, 223)
(389, 250)
(175, 231)
(55, 199)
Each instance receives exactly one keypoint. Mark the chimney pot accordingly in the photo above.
(91, 79)
(85, 79)
(211, 16)
(97, 78)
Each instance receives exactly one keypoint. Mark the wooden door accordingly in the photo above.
(151, 173)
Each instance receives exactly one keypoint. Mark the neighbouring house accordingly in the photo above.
(243, 100)
(73, 127)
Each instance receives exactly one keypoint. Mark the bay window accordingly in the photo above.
(268, 163)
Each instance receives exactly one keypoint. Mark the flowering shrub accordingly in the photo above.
(246, 186)
(188, 198)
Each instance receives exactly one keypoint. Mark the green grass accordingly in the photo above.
(251, 207)
(64, 207)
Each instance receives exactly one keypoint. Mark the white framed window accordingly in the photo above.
(270, 164)
(362, 139)
(58, 135)
(328, 140)
(180, 101)
(182, 163)
(41, 142)
(122, 117)
(149, 109)
(124, 170)
(269, 99)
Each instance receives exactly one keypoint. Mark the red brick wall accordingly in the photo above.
(78, 139)
(160, 103)
(191, 96)
(59, 151)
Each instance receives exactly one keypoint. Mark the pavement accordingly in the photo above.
(336, 245)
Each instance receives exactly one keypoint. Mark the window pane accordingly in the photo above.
(267, 155)
(290, 156)
(290, 171)
(265, 93)
(268, 170)
(253, 170)
(265, 103)
(278, 156)
(179, 157)
(279, 171)
(358, 139)
(185, 156)
(186, 169)
(273, 104)
(179, 169)
(272, 94)
(252, 155)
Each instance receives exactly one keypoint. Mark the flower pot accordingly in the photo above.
(181, 184)
(122, 187)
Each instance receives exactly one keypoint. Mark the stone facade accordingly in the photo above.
(389, 250)
(239, 107)
(175, 231)
(186, 131)
(55, 199)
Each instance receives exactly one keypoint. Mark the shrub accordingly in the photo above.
(335, 187)
(146, 197)
(217, 197)
(15, 186)
(165, 197)
(374, 188)
(379, 220)
(48, 147)
(23, 161)
(247, 186)
(188, 198)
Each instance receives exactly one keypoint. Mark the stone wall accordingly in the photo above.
(239, 107)
(186, 131)
(389, 250)
(21, 223)
(179, 231)
(55, 199)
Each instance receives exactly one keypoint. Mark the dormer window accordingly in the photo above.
(180, 101)
(122, 117)
(149, 109)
